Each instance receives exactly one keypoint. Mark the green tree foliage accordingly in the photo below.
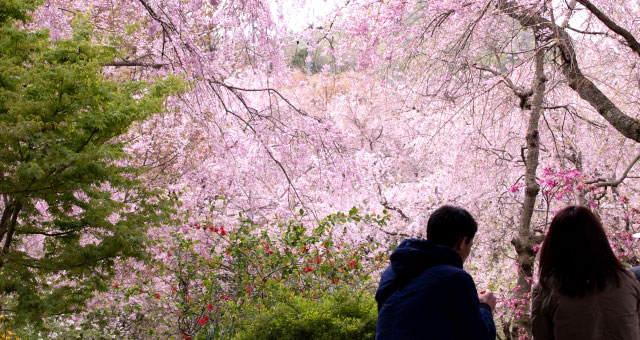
(319, 60)
(70, 205)
(343, 314)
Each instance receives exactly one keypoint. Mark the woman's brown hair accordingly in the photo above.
(576, 254)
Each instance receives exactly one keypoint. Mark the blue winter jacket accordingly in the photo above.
(425, 294)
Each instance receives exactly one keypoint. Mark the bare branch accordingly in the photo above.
(134, 63)
(62, 233)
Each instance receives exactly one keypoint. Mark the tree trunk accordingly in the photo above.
(9, 229)
(527, 238)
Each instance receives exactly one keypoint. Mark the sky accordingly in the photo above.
(299, 14)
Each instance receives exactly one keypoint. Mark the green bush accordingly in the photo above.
(342, 314)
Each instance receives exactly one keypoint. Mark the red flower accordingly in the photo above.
(308, 269)
(157, 295)
(203, 320)
(317, 259)
(222, 231)
(210, 307)
(115, 284)
(188, 299)
(352, 263)
(198, 226)
(270, 252)
(248, 289)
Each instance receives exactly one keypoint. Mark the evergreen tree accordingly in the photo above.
(70, 205)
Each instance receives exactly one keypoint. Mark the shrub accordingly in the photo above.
(342, 314)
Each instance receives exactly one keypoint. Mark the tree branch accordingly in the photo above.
(286, 175)
(586, 89)
(585, 32)
(62, 233)
(565, 20)
(389, 206)
(521, 93)
(8, 211)
(134, 63)
(628, 37)
(614, 183)
(12, 229)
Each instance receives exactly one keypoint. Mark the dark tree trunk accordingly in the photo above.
(527, 238)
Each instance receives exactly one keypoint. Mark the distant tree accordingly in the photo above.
(70, 205)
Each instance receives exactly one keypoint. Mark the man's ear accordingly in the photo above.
(458, 244)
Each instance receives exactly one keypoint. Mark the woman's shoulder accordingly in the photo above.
(543, 293)
(628, 280)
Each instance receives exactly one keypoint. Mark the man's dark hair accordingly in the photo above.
(576, 254)
(448, 224)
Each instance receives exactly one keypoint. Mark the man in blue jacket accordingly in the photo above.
(425, 293)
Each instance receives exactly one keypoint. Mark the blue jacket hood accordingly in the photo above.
(411, 258)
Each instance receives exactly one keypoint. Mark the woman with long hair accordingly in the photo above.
(584, 292)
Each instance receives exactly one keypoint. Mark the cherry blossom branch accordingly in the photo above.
(586, 89)
(521, 93)
(268, 90)
(565, 21)
(585, 32)
(628, 37)
(462, 42)
(395, 233)
(286, 175)
(389, 206)
(601, 182)
(167, 26)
